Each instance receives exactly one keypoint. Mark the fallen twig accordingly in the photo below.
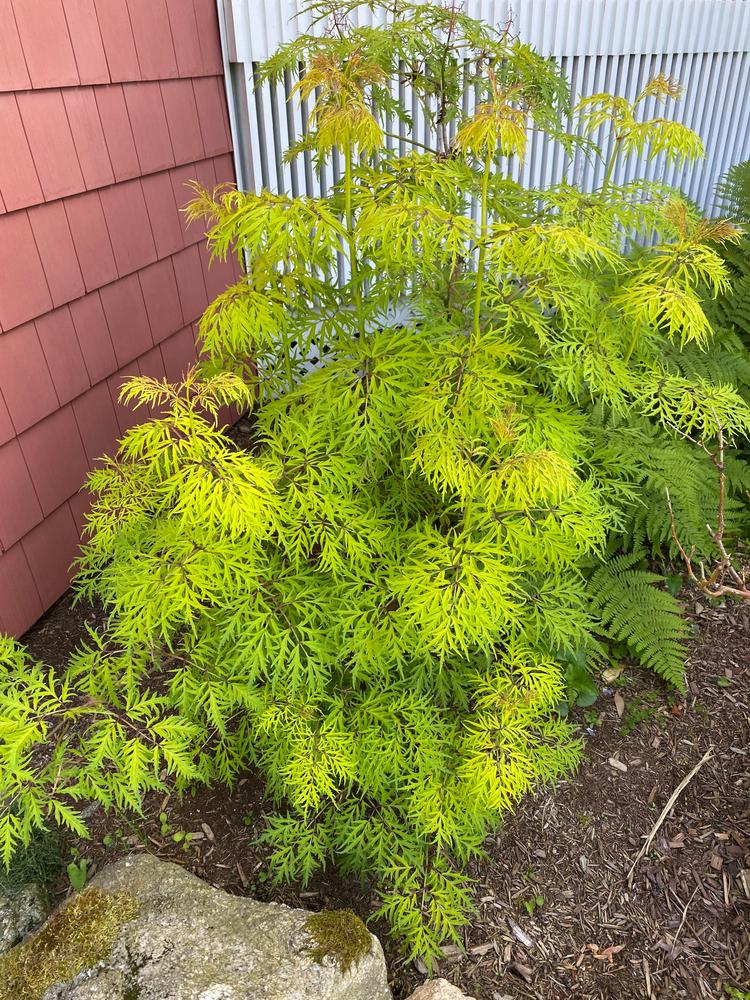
(666, 811)
(682, 922)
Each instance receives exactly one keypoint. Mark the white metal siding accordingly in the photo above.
(614, 45)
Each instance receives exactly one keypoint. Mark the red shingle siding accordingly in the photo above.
(108, 108)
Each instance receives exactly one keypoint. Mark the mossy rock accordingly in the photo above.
(339, 935)
(148, 930)
(22, 910)
(81, 934)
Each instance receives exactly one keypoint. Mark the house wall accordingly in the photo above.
(107, 109)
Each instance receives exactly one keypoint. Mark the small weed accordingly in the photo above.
(724, 682)
(635, 715)
(77, 874)
(113, 839)
(178, 836)
(592, 718)
(186, 839)
(77, 871)
(533, 903)
(581, 689)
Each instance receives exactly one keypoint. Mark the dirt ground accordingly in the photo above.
(565, 906)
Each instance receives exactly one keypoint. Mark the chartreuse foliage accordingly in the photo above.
(372, 606)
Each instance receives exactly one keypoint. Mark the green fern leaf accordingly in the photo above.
(632, 609)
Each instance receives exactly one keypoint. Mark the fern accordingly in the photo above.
(733, 192)
(727, 362)
(634, 611)
(659, 462)
(732, 309)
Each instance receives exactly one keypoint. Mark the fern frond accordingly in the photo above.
(634, 611)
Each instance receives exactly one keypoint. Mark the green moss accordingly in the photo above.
(78, 936)
(340, 935)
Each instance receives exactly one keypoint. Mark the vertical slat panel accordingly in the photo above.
(257, 129)
(614, 45)
(737, 148)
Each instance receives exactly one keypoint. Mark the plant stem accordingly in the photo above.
(350, 237)
(286, 346)
(610, 165)
(482, 240)
(412, 142)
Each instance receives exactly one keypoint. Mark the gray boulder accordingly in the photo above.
(159, 933)
(20, 912)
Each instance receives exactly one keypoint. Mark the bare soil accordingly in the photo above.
(561, 911)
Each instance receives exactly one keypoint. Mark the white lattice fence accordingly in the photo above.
(612, 45)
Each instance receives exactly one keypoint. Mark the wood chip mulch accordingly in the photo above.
(561, 911)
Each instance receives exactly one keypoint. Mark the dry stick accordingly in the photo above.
(647, 976)
(666, 810)
(682, 922)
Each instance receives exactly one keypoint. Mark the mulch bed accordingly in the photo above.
(679, 927)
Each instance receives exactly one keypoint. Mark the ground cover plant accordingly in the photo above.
(377, 603)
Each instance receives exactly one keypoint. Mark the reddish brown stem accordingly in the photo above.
(713, 585)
